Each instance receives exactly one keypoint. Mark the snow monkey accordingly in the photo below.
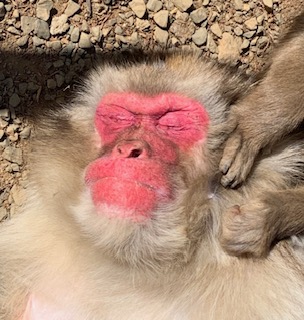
(272, 109)
(125, 205)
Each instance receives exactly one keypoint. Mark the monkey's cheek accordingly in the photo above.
(136, 200)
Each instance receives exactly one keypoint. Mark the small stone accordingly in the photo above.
(238, 5)
(251, 24)
(42, 29)
(2, 10)
(1, 133)
(95, 31)
(161, 18)
(22, 88)
(59, 80)
(134, 39)
(118, 30)
(51, 84)
(15, 167)
(142, 24)
(215, 29)
(238, 31)
(245, 44)
(37, 42)
(16, 14)
(68, 49)
(59, 25)
(25, 133)
(8, 7)
(5, 114)
(84, 41)
(71, 8)
(13, 154)
(228, 49)
(54, 45)
(161, 36)
(58, 64)
(27, 24)
(43, 9)
(14, 100)
(85, 27)
(200, 36)
(138, 7)
(13, 30)
(206, 2)
(154, 5)
(249, 34)
(183, 5)
(199, 15)
(22, 42)
(75, 35)
(268, 4)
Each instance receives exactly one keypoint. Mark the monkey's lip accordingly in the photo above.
(133, 185)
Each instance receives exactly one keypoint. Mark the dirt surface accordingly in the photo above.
(47, 46)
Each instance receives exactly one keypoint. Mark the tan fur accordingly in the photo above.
(271, 110)
(171, 267)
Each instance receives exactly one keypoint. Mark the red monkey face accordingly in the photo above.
(144, 137)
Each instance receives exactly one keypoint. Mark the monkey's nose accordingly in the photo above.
(131, 149)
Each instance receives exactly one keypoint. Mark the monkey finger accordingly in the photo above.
(232, 146)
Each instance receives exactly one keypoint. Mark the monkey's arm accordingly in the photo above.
(272, 109)
(252, 228)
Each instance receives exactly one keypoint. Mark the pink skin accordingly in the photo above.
(145, 135)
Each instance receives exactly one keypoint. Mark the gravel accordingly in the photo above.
(47, 46)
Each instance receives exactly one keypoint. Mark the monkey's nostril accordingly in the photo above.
(135, 153)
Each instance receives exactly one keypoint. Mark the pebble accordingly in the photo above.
(37, 42)
(161, 18)
(71, 8)
(13, 154)
(228, 49)
(215, 29)
(54, 45)
(85, 27)
(51, 84)
(154, 5)
(2, 10)
(84, 41)
(268, 4)
(14, 100)
(199, 15)
(96, 33)
(251, 23)
(16, 14)
(25, 133)
(200, 36)
(1, 133)
(27, 24)
(59, 25)
(42, 29)
(22, 41)
(183, 5)
(5, 114)
(238, 5)
(43, 9)
(138, 7)
(75, 35)
(161, 36)
(13, 30)
(238, 31)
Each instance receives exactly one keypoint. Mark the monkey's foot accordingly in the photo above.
(245, 230)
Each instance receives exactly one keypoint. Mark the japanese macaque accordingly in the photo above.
(123, 219)
(271, 110)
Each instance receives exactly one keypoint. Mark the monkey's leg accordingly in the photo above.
(252, 228)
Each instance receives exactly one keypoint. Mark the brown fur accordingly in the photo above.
(273, 108)
(173, 266)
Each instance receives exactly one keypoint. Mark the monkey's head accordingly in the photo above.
(137, 154)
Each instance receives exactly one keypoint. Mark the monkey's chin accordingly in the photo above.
(137, 200)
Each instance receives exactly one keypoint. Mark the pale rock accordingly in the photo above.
(25, 133)
(268, 4)
(71, 8)
(138, 7)
(85, 41)
(96, 33)
(37, 42)
(27, 24)
(13, 154)
(238, 5)
(228, 48)
(42, 29)
(13, 30)
(154, 5)
(43, 9)
(183, 5)
(215, 29)
(161, 36)
(161, 18)
(75, 35)
(199, 15)
(251, 23)
(59, 25)
(200, 36)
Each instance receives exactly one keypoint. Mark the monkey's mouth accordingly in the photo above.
(137, 188)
